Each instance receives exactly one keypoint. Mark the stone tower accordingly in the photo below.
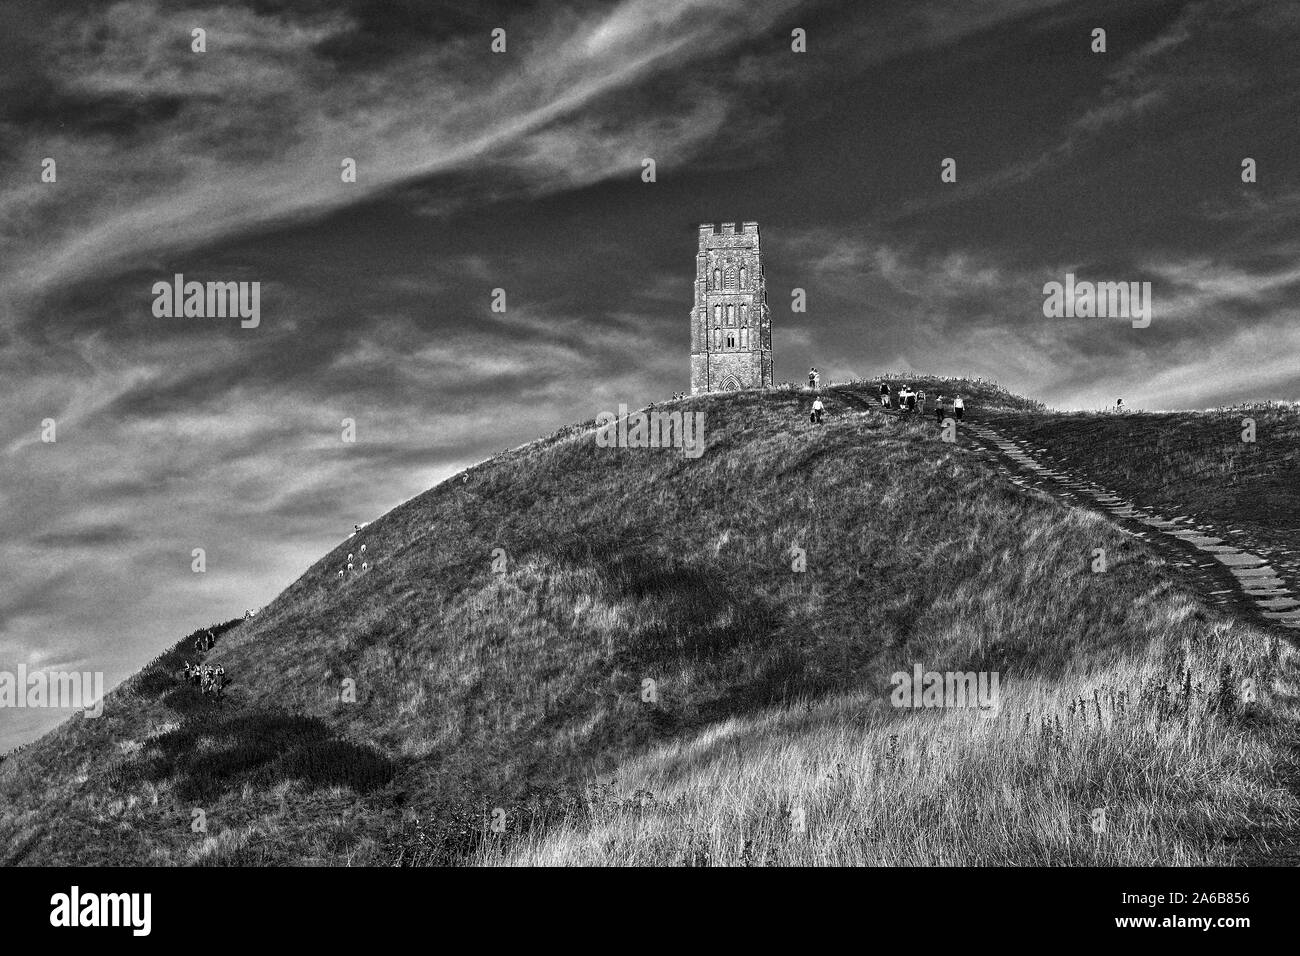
(731, 327)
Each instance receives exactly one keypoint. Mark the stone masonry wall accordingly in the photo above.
(731, 329)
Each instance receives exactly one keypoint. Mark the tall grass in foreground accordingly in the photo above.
(848, 781)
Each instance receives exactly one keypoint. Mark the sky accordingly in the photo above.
(522, 170)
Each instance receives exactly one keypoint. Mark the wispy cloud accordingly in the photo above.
(964, 311)
(1201, 65)
(255, 129)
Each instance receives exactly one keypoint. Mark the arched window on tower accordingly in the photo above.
(744, 314)
(731, 317)
(742, 278)
(731, 340)
(717, 315)
(744, 338)
(731, 278)
(717, 278)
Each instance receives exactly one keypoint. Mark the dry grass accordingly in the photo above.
(1195, 461)
(847, 781)
(477, 690)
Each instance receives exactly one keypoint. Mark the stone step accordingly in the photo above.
(1242, 560)
(1264, 571)
(1262, 583)
(1256, 577)
(1279, 604)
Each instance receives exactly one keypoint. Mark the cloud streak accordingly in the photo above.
(210, 169)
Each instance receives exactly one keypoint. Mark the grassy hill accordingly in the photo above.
(1192, 463)
(516, 692)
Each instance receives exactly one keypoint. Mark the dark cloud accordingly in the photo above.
(98, 536)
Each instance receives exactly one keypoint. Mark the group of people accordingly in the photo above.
(954, 407)
(907, 400)
(209, 678)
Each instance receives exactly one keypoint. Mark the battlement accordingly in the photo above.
(710, 231)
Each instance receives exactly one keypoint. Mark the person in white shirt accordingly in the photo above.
(817, 411)
(958, 406)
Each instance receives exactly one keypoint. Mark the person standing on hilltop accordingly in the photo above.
(884, 394)
(958, 407)
(813, 378)
(817, 411)
(920, 401)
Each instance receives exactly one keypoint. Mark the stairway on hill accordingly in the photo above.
(1234, 575)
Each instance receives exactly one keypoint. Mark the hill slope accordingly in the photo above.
(481, 686)
(1192, 463)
